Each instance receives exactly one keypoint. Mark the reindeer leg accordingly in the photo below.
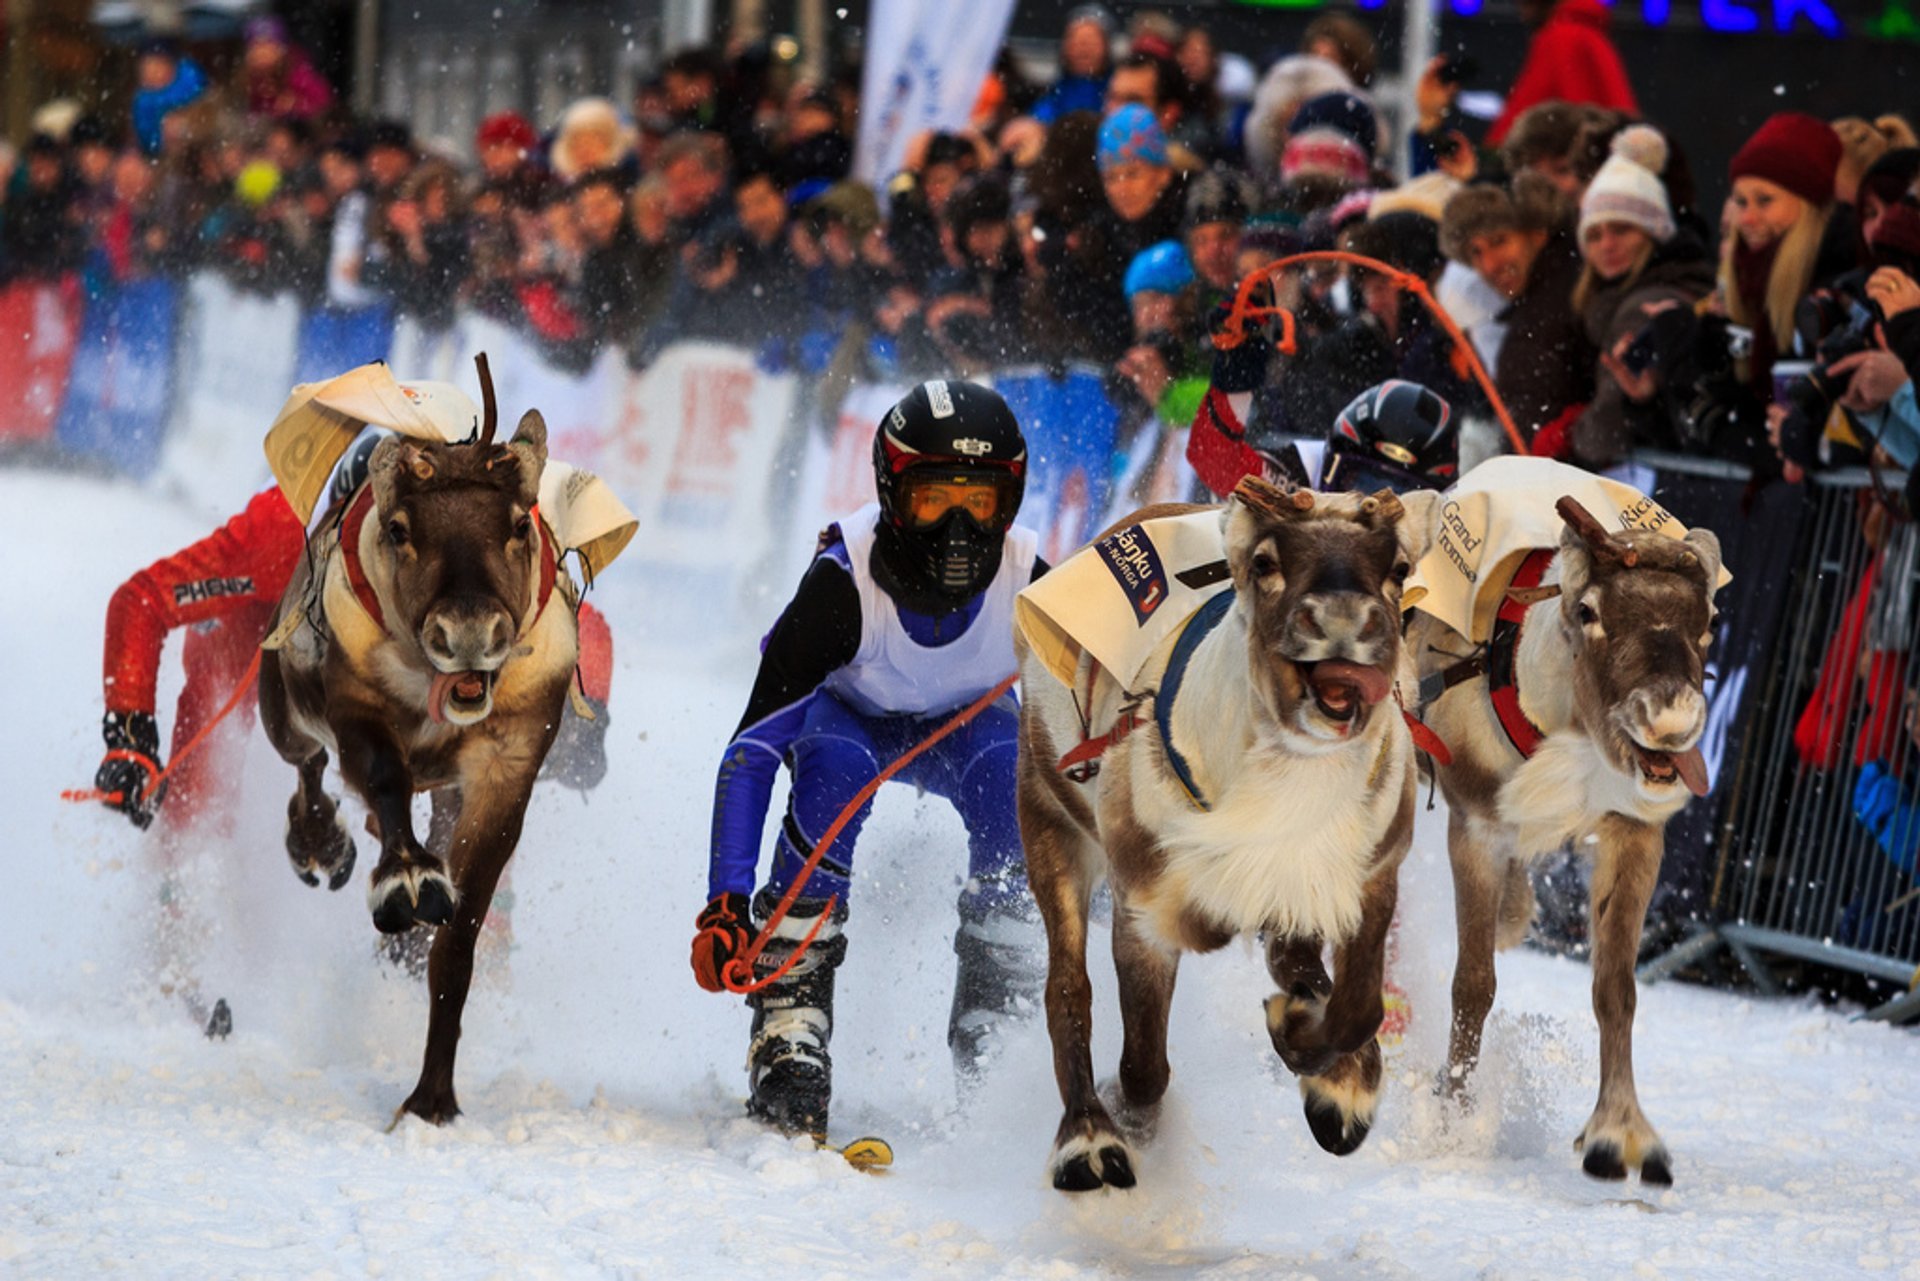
(482, 841)
(317, 839)
(1334, 1037)
(409, 886)
(1146, 974)
(1618, 1136)
(1088, 1151)
(1477, 895)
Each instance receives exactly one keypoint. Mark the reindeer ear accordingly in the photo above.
(1420, 522)
(386, 471)
(529, 448)
(1705, 544)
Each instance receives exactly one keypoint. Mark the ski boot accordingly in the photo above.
(789, 1073)
(998, 974)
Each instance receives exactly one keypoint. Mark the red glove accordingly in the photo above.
(723, 931)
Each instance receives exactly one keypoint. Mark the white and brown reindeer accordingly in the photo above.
(1269, 787)
(426, 647)
(1579, 721)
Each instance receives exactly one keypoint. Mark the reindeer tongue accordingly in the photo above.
(447, 684)
(1693, 770)
(1334, 674)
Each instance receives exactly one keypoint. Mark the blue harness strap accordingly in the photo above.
(1196, 629)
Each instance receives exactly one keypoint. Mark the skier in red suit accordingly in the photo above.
(224, 589)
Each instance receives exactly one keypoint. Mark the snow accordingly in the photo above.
(601, 1088)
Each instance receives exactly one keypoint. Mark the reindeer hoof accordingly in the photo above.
(1082, 1166)
(1657, 1169)
(433, 1110)
(319, 847)
(1603, 1161)
(1334, 1128)
(412, 896)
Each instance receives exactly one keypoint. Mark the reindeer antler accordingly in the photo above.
(1599, 540)
(489, 408)
(1384, 506)
(1271, 500)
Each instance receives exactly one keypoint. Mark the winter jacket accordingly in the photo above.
(298, 92)
(151, 106)
(1546, 361)
(1571, 59)
(1680, 273)
(247, 561)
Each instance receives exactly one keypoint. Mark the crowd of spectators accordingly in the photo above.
(1101, 217)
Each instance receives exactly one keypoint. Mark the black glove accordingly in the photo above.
(725, 928)
(132, 763)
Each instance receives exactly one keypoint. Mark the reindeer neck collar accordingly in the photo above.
(355, 518)
(1503, 648)
(1195, 630)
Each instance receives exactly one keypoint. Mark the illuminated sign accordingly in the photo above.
(1732, 16)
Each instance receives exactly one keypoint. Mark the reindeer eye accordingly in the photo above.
(397, 532)
(1264, 563)
(523, 527)
(1587, 617)
(1400, 572)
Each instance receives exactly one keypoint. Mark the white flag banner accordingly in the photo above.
(926, 61)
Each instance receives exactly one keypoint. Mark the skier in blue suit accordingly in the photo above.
(904, 617)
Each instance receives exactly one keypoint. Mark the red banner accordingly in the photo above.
(40, 324)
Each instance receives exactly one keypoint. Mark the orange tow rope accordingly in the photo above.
(738, 974)
(192, 745)
(1234, 331)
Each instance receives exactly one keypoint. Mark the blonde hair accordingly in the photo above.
(1590, 279)
(1787, 281)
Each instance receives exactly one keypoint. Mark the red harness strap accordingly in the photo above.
(356, 516)
(1502, 683)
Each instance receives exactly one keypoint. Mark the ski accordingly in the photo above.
(869, 1155)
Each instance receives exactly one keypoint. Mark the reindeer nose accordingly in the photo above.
(467, 643)
(1336, 619)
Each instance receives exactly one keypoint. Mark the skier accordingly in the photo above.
(904, 617)
(223, 589)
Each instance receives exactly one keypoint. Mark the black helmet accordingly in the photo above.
(950, 466)
(1399, 435)
(351, 471)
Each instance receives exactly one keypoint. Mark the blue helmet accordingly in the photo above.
(1163, 268)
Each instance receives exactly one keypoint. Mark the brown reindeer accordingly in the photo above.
(1269, 788)
(426, 648)
(1610, 702)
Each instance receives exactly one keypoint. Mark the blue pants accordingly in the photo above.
(839, 751)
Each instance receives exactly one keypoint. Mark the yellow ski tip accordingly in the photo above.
(869, 1155)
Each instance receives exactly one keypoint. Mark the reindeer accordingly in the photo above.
(425, 647)
(1269, 787)
(1605, 695)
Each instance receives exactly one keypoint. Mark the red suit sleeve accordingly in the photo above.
(1567, 62)
(596, 653)
(246, 561)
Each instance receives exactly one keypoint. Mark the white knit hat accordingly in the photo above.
(1628, 188)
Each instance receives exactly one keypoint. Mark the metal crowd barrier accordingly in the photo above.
(1797, 874)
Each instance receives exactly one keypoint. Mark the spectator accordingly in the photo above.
(814, 147)
(1344, 41)
(390, 157)
(591, 136)
(1520, 243)
(425, 263)
(1287, 84)
(38, 238)
(1570, 59)
(613, 292)
(504, 142)
(166, 82)
(1217, 205)
(1885, 185)
(690, 81)
(1544, 140)
(694, 167)
(1638, 264)
(1152, 81)
(919, 195)
(1146, 201)
(1329, 151)
(276, 79)
(1085, 54)
(975, 307)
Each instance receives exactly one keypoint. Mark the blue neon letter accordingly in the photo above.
(1727, 15)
